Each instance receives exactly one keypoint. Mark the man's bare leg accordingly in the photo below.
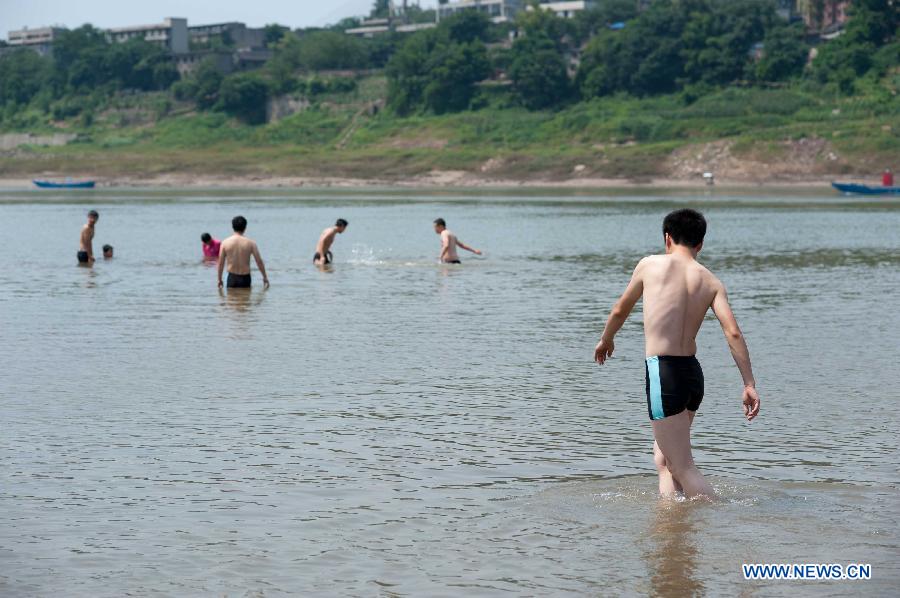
(673, 437)
(668, 486)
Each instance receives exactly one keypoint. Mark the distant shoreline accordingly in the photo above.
(434, 180)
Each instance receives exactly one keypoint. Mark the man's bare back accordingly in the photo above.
(677, 293)
(236, 251)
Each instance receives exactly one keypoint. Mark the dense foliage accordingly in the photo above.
(691, 47)
(84, 61)
(438, 69)
(870, 44)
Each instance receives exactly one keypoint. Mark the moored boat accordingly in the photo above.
(859, 189)
(65, 184)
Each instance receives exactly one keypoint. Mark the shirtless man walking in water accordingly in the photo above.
(236, 250)
(449, 243)
(86, 242)
(323, 255)
(677, 293)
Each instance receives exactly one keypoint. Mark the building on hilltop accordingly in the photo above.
(171, 34)
(373, 27)
(232, 34)
(40, 40)
(568, 9)
(499, 11)
(826, 17)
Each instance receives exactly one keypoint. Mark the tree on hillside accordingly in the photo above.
(543, 22)
(715, 44)
(272, 34)
(676, 43)
(644, 58)
(438, 69)
(78, 57)
(245, 95)
(138, 64)
(588, 23)
(537, 63)
(454, 71)
(869, 41)
(380, 9)
(784, 54)
(23, 74)
(323, 50)
(538, 72)
(203, 87)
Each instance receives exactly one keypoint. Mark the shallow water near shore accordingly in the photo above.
(397, 427)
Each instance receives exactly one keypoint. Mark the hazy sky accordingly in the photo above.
(15, 14)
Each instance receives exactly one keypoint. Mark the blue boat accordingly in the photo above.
(65, 185)
(865, 189)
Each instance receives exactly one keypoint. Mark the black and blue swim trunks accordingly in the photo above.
(674, 383)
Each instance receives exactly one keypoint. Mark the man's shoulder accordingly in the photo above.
(650, 260)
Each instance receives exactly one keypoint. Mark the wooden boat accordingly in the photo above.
(65, 184)
(865, 189)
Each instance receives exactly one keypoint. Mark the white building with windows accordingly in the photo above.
(499, 11)
(171, 34)
(40, 40)
(239, 34)
(569, 9)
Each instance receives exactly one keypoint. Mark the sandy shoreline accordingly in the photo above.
(433, 180)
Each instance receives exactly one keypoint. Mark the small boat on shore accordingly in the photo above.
(858, 189)
(65, 184)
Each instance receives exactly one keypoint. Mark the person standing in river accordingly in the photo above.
(449, 243)
(323, 255)
(236, 250)
(677, 292)
(86, 242)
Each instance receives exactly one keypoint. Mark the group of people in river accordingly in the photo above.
(676, 290)
(234, 253)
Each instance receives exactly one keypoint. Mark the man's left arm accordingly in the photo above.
(467, 248)
(260, 265)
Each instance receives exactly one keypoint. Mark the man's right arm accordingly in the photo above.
(619, 314)
(221, 263)
(739, 350)
(87, 239)
(445, 246)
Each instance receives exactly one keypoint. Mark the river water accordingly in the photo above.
(396, 427)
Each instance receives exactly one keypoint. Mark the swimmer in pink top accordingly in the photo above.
(210, 247)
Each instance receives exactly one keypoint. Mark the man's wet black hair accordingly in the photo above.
(440, 222)
(686, 227)
(239, 224)
(93, 214)
(206, 237)
(107, 248)
(341, 222)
